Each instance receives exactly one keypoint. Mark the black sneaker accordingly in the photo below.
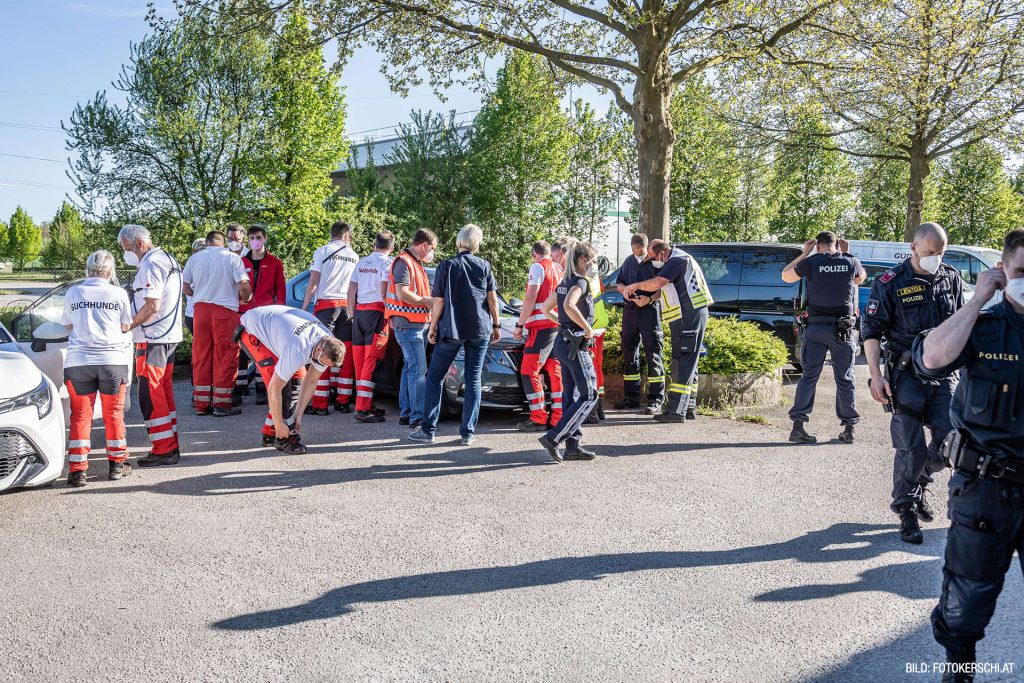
(363, 416)
(923, 509)
(910, 530)
(342, 408)
(800, 435)
(403, 420)
(531, 426)
(119, 470)
(669, 417)
(310, 410)
(592, 418)
(579, 453)
(846, 436)
(153, 460)
(226, 412)
(551, 447)
(378, 411)
(691, 414)
(290, 445)
(76, 479)
(261, 398)
(653, 408)
(204, 411)
(415, 424)
(600, 409)
(269, 440)
(626, 404)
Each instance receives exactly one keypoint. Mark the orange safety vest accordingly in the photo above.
(537, 318)
(418, 283)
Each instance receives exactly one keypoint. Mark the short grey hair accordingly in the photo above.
(469, 238)
(198, 245)
(931, 231)
(131, 233)
(99, 264)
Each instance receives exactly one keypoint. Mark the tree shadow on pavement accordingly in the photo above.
(838, 543)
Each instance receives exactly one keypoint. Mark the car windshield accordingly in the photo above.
(49, 308)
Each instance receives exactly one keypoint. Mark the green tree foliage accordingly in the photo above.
(705, 169)
(66, 246)
(518, 157)
(977, 199)
(882, 201)
(592, 183)
(812, 186)
(303, 140)
(5, 241)
(24, 239)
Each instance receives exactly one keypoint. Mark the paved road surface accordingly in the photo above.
(712, 551)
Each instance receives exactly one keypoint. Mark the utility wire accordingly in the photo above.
(28, 126)
(22, 156)
(29, 183)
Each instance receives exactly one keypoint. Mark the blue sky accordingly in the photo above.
(56, 53)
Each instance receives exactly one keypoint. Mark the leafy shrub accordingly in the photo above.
(183, 354)
(8, 313)
(735, 346)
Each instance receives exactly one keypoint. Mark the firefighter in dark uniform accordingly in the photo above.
(986, 491)
(641, 323)
(832, 276)
(916, 295)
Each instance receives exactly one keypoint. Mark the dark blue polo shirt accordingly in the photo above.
(632, 271)
(830, 286)
(463, 281)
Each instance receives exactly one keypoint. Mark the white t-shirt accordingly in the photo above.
(214, 274)
(289, 333)
(536, 275)
(370, 272)
(336, 262)
(158, 277)
(96, 310)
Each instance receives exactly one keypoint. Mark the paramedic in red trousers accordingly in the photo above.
(329, 278)
(216, 280)
(282, 341)
(156, 330)
(366, 295)
(98, 360)
(266, 277)
(538, 353)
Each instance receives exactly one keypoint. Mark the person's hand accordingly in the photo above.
(989, 282)
(517, 334)
(589, 332)
(298, 423)
(281, 429)
(432, 335)
(496, 335)
(844, 246)
(809, 246)
(628, 291)
(880, 390)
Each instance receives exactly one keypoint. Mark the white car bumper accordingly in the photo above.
(31, 449)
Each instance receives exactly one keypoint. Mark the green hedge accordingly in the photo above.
(733, 347)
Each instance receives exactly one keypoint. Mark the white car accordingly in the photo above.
(34, 403)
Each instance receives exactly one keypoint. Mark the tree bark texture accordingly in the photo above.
(654, 141)
(920, 168)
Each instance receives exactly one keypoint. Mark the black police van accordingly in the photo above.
(746, 282)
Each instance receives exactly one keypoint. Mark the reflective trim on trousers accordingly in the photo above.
(79, 443)
(78, 457)
(169, 434)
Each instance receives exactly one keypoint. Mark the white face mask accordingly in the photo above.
(592, 271)
(657, 264)
(234, 246)
(131, 259)
(1015, 290)
(430, 256)
(930, 263)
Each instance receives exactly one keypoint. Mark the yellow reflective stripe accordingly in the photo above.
(656, 378)
(631, 378)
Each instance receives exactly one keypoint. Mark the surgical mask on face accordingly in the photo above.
(131, 259)
(256, 244)
(657, 264)
(430, 256)
(1015, 290)
(235, 246)
(592, 271)
(930, 263)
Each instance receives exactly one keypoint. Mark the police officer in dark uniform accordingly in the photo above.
(641, 322)
(986, 491)
(832, 276)
(917, 295)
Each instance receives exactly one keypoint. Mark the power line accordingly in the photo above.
(41, 94)
(22, 156)
(28, 126)
(29, 183)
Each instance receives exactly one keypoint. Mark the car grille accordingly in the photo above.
(511, 396)
(14, 447)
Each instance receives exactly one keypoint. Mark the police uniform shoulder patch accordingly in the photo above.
(887, 276)
(872, 307)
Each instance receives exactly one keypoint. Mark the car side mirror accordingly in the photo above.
(515, 303)
(48, 333)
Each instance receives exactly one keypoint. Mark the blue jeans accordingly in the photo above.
(413, 341)
(444, 353)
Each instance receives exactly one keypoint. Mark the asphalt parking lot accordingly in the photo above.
(710, 551)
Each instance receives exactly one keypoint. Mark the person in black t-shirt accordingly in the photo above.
(832, 276)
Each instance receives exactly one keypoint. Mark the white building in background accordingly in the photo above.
(613, 246)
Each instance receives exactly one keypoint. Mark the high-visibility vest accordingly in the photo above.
(537, 318)
(419, 283)
(600, 312)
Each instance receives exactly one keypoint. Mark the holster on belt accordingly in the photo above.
(974, 463)
(575, 342)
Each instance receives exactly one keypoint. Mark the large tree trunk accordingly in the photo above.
(655, 138)
(920, 167)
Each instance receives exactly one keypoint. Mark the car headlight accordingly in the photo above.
(501, 358)
(39, 397)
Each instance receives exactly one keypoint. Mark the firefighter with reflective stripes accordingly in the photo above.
(685, 301)
(156, 329)
(366, 307)
(641, 323)
(98, 360)
(541, 281)
(282, 341)
(329, 278)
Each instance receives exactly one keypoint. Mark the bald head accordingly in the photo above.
(931, 235)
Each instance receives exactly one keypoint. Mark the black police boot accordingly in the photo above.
(846, 436)
(152, 460)
(366, 416)
(691, 414)
(403, 420)
(379, 412)
(800, 435)
(226, 412)
(341, 408)
(118, 470)
(577, 452)
(626, 404)
(669, 417)
(923, 508)
(957, 676)
(290, 445)
(268, 439)
(310, 410)
(531, 426)
(76, 479)
(910, 529)
(551, 447)
(600, 409)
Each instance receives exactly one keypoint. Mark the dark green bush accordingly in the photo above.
(183, 354)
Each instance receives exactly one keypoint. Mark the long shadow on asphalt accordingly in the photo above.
(842, 542)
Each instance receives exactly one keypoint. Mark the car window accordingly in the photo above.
(962, 262)
(720, 267)
(764, 268)
(299, 287)
(873, 272)
(49, 308)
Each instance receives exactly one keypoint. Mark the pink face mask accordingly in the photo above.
(256, 244)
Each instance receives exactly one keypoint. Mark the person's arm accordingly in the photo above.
(492, 304)
(943, 346)
(436, 309)
(274, 405)
(529, 303)
(880, 390)
(655, 283)
(186, 288)
(353, 292)
(306, 389)
(548, 307)
(859, 274)
(405, 293)
(244, 291)
(873, 327)
(279, 283)
(314, 282)
(148, 310)
(574, 314)
(789, 273)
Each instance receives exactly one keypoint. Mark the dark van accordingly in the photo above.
(746, 282)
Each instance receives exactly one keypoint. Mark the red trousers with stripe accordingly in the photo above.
(265, 363)
(343, 379)
(79, 440)
(538, 357)
(154, 372)
(214, 356)
(368, 323)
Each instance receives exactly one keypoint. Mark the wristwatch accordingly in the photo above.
(497, 326)
(519, 324)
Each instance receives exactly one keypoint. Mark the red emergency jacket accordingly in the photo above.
(267, 283)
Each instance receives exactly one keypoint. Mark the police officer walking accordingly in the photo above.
(916, 295)
(832, 276)
(641, 323)
(986, 501)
